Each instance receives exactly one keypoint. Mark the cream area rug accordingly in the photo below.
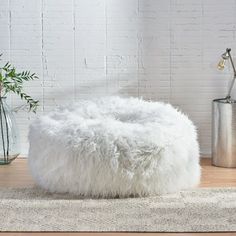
(199, 210)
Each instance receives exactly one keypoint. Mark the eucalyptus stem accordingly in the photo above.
(12, 81)
(2, 134)
(7, 129)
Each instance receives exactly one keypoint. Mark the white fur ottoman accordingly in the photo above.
(114, 147)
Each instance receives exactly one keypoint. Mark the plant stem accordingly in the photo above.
(3, 141)
(7, 131)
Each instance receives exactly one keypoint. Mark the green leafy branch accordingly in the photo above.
(12, 81)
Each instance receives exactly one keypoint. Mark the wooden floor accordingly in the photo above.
(17, 175)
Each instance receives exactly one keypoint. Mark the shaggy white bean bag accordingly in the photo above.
(114, 147)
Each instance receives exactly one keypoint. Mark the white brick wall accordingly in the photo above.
(156, 49)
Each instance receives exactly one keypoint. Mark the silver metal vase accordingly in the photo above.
(224, 132)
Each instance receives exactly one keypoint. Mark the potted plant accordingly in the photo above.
(12, 81)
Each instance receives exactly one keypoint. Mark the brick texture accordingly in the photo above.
(156, 49)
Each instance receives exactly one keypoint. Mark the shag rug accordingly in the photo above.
(199, 210)
(114, 146)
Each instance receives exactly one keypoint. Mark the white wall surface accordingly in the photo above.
(156, 49)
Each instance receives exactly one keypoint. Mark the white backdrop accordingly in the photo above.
(156, 49)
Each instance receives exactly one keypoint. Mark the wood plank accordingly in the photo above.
(17, 174)
(213, 176)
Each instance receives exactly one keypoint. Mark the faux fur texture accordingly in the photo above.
(114, 146)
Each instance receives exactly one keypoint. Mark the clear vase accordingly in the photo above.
(9, 138)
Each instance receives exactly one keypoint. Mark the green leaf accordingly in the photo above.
(12, 81)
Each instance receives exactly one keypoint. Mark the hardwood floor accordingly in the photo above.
(17, 175)
(213, 176)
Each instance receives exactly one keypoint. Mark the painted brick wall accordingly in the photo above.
(156, 49)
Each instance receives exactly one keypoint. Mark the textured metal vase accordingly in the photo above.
(224, 132)
(9, 138)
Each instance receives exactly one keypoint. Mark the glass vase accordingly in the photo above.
(9, 138)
